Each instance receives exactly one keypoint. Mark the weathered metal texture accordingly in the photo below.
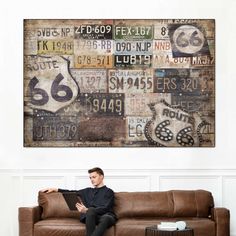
(119, 83)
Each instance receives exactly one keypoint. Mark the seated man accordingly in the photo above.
(97, 204)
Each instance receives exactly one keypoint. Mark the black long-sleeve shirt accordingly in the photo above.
(102, 199)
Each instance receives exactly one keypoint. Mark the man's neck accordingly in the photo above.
(100, 185)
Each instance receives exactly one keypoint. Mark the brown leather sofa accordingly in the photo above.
(135, 211)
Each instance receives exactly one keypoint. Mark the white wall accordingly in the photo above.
(25, 170)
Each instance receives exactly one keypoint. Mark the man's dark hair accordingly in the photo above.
(96, 169)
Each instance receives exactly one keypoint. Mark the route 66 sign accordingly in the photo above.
(187, 40)
(50, 86)
(172, 126)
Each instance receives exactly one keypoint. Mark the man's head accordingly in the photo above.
(96, 176)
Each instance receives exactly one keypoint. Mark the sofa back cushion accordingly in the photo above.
(174, 203)
(54, 205)
(192, 203)
(143, 204)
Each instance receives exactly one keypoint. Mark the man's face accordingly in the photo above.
(96, 179)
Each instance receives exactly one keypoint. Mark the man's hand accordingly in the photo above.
(81, 207)
(49, 190)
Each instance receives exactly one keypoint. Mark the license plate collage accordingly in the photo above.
(119, 83)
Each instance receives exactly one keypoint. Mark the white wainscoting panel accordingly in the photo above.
(32, 184)
(23, 186)
(129, 183)
(81, 182)
(229, 198)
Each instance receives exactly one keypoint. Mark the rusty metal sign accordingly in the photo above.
(119, 83)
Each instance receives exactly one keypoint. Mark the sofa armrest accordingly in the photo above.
(27, 217)
(222, 218)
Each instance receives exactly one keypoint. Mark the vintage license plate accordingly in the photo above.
(101, 131)
(91, 80)
(183, 81)
(133, 47)
(49, 126)
(163, 58)
(55, 47)
(102, 104)
(130, 81)
(93, 31)
(161, 30)
(55, 32)
(133, 32)
(161, 27)
(161, 45)
(133, 60)
(203, 104)
(93, 61)
(202, 61)
(93, 46)
(139, 104)
(135, 128)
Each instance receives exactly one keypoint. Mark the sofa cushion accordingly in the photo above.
(54, 205)
(202, 226)
(192, 203)
(130, 227)
(143, 204)
(63, 227)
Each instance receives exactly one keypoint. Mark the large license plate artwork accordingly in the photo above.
(120, 83)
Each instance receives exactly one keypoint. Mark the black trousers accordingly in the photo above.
(96, 225)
